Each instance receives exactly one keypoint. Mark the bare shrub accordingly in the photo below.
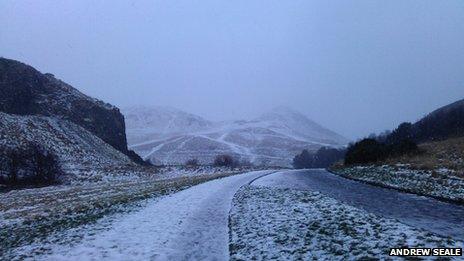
(191, 163)
(27, 165)
(224, 160)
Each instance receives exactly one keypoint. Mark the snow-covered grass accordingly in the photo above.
(188, 225)
(285, 224)
(119, 173)
(191, 171)
(435, 183)
(442, 154)
(33, 214)
(79, 152)
(83, 156)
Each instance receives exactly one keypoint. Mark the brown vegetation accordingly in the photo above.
(447, 154)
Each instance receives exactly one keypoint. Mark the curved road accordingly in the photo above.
(433, 215)
(193, 224)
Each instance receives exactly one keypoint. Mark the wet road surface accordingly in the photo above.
(433, 215)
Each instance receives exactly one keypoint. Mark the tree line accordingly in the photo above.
(28, 164)
(322, 158)
(375, 148)
(444, 123)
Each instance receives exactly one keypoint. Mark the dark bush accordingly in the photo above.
(28, 165)
(323, 158)
(224, 161)
(403, 147)
(405, 131)
(191, 163)
(365, 151)
(304, 160)
(46, 169)
(327, 156)
(371, 150)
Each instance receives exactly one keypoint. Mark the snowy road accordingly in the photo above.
(188, 225)
(430, 214)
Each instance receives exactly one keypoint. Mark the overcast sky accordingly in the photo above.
(353, 66)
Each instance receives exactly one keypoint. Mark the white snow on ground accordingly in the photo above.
(35, 217)
(439, 184)
(189, 225)
(32, 221)
(288, 224)
(80, 153)
(421, 212)
(170, 172)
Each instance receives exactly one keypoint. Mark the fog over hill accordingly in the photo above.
(166, 135)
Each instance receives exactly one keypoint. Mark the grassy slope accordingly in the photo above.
(438, 171)
(447, 154)
(33, 214)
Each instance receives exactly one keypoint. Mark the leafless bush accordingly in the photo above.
(27, 165)
(191, 163)
(224, 160)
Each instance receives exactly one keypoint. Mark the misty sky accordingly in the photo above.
(354, 66)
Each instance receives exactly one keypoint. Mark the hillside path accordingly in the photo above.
(189, 225)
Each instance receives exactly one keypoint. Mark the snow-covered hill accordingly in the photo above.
(170, 136)
(26, 91)
(147, 123)
(79, 152)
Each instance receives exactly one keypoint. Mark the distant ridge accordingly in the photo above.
(170, 136)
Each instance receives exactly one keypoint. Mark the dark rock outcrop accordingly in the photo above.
(26, 91)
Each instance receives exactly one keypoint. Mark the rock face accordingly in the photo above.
(26, 91)
(170, 136)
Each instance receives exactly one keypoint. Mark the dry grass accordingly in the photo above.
(447, 154)
(33, 214)
(437, 171)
